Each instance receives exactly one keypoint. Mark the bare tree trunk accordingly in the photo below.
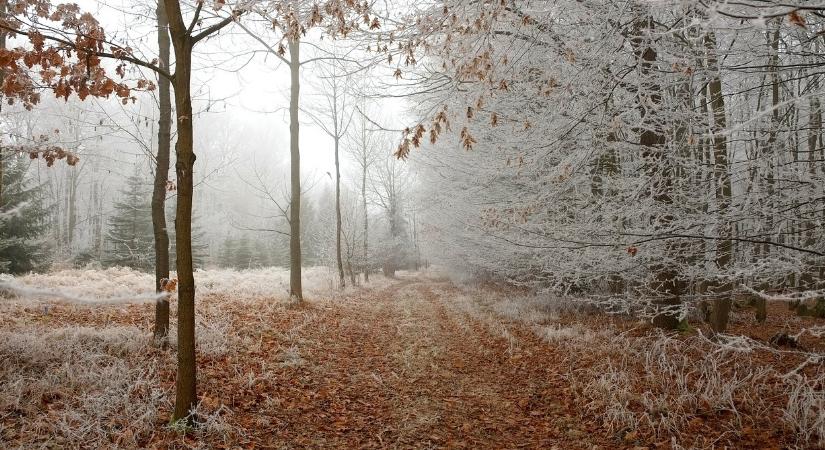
(390, 263)
(2, 78)
(721, 168)
(366, 219)
(72, 179)
(811, 269)
(186, 396)
(295, 290)
(415, 241)
(97, 227)
(773, 44)
(341, 281)
(161, 177)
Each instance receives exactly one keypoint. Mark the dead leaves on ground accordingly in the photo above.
(385, 368)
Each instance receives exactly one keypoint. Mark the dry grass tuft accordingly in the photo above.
(79, 384)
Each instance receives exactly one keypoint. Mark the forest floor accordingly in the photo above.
(415, 362)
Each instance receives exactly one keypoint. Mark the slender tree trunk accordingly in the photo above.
(721, 168)
(390, 264)
(161, 177)
(2, 78)
(366, 218)
(186, 387)
(97, 229)
(71, 224)
(773, 44)
(295, 290)
(341, 281)
(814, 144)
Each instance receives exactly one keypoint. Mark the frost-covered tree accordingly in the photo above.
(665, 153)
(391, 183)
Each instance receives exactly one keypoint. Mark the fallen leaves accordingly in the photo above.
(402, 366)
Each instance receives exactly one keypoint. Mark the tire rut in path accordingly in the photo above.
(462, 385)
(396, 368)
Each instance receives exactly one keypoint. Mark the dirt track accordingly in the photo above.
(397, 368)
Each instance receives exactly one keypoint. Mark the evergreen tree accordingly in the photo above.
(22, 220)
(130, 238)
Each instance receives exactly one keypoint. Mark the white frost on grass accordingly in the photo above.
(71, 385)
(82, 286)
(124, 285)
(269, 282)
(21, 291)
(574, 333)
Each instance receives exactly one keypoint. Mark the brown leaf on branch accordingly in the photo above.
(467, 139)
(72, 159)
(797, 19)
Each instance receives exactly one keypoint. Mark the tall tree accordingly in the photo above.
(161, 183)
(335, 118)
(724, 189)
(390, 187)
(184, 39)
(292, 21)
(87, 48)
(295, 289)
(364, 147)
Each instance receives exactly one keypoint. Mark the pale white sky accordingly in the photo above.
(231, 81)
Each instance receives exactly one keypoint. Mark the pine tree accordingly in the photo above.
(130, 238)
(22, 220)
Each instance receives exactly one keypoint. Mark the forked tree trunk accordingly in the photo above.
(295, 290)
(161, 177)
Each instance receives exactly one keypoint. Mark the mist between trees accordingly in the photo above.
(658, 160)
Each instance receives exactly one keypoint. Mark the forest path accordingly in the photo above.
(405, 366)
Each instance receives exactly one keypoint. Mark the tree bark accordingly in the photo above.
(295, 290)
(161, 235)
(721, 168)
(341, 281)
(186, 389)
(366, 218)
(2, 78)
(72, 179)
